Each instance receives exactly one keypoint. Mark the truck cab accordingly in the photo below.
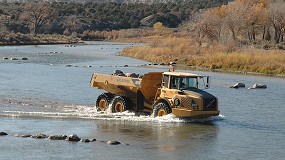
(183, 96)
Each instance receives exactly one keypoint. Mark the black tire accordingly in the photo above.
(103, 101)
(120, 104)
(161, 109)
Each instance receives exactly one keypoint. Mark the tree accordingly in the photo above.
(37, 15)
(158, 26)
(276, 16)
(253, 17)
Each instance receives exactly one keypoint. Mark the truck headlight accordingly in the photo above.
(194, 104)
(176, 102)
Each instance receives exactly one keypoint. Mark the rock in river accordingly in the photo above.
(23, 135)
(3, 134)
(87, 140)
(257, 86)
(57, 137)
(72, 137)
(39, 136)
(113, 142)
(238, 85)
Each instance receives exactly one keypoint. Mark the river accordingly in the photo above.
(49, 93)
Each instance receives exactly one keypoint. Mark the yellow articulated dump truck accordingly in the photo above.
(159, 93)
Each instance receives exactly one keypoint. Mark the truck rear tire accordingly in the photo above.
(120, 104)
(103, 101)
(161, 109)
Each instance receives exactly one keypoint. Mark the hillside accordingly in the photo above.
(75, 18)
(211, 2)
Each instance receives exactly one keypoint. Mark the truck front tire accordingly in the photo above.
(103, 101)
(161, 109)
(120, 104)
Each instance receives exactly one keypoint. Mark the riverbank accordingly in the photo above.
(172, 46)
(41, 39)
(185, 52)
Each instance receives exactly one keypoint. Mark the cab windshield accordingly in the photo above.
(184, 83)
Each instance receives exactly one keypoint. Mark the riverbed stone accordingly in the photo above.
(88, 140)
(3, 134)
(13, 59)
(72, 137)
(39, 136)
(23, 135)
(57, 137)
(85, 140)
(113, 142)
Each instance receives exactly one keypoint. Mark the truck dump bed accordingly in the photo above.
(147, 85)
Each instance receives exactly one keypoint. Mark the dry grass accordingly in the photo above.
(185, 51)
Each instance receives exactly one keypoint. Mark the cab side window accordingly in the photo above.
(174, 82)
(165, 80)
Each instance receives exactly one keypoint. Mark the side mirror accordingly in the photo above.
(208, 82)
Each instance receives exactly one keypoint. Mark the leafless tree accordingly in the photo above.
(276, 16)
(37, 15)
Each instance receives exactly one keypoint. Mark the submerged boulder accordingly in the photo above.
(23, 135)
(238, 85)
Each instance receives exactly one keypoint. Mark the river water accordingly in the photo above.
(49, 93)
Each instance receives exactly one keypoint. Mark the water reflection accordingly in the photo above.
(164, 138)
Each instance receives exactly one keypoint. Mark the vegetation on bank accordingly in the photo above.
(245, 36)
(184, 50)
(25, 39)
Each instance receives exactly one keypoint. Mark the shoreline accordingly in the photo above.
(40, 43)
(202, 69)
(196, 68)
(177, 66)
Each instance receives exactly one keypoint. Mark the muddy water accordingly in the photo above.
(50, 94)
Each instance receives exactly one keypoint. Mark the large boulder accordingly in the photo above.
(72, 137)
(258, 86)
(3, 134)
(238, 85)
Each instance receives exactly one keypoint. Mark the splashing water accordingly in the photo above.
(87, 112)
